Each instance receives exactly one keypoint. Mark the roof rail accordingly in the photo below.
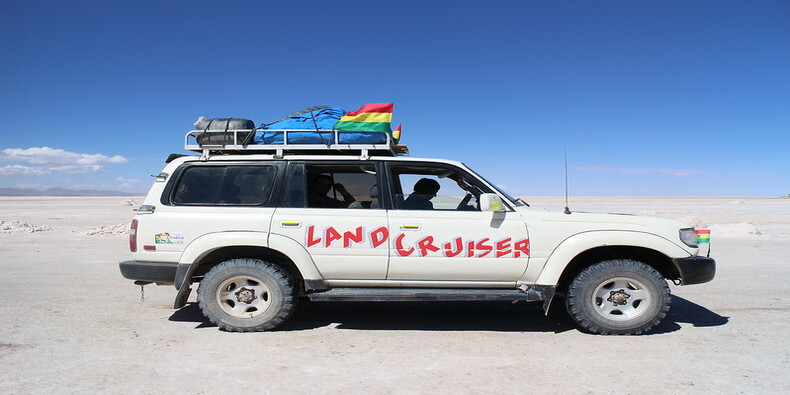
(281, 142)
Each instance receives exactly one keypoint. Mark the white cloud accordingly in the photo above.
(53, 160)
(48, 155)
(627, 170)
(126, 180)
(128, 183)
(19, 170)
(28, 186)
(76, 169)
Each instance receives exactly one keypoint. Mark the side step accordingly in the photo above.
(428, 294)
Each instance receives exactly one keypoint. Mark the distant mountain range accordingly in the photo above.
(61, 192)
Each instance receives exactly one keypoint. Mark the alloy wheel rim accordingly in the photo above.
(621, 299)
(243, 297)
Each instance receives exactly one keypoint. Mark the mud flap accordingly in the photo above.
(182, 296)
(183, 283)
(539, 292)
(547, 304)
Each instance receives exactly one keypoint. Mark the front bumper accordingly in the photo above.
(155, 272)
(695, 270)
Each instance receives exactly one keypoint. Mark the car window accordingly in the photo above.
(434, 188)
(241, 185)
(332, 186)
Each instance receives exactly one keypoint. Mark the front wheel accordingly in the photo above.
(618, 297)
(247, 295)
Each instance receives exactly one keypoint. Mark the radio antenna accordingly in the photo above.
(565, 154)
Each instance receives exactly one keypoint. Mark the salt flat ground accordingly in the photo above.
(69, 323)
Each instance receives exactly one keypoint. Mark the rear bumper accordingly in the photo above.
(695, 270)
(155, 272)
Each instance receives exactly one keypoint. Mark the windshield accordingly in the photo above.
(515, 201)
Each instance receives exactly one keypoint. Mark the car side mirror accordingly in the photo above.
(491, 202)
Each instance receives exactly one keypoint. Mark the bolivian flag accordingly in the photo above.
(703, 235)
(375, 117)
(396, 134)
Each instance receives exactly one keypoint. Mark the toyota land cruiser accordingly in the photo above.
(258, 228)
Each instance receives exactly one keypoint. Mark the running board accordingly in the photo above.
(533, 294)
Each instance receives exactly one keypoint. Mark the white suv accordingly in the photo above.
(258, 231)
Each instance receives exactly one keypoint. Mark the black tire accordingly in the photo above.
(247, 295)
(618, 297)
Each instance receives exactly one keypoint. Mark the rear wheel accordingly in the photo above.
(618, 297)
(247, 295)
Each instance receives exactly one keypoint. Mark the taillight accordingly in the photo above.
(133, 236)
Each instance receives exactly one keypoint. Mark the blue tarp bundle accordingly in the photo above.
(268, 137)
(324, 119)
(272, 137)
(362, 137)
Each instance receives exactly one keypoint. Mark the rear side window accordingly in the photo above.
(328, 185)
(247, 185)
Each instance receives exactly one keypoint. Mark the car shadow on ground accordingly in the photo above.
(453, 316)
(684, 311)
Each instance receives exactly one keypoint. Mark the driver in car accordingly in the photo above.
(320, 185)
(424, 190)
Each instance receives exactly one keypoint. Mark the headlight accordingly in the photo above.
(689, 237)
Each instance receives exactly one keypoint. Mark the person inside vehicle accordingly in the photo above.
(374, 195)
(320, 186)
(424, 190)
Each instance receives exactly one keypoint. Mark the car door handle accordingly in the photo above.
(410, 227)
(290, 224)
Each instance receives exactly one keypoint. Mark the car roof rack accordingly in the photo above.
(281, 142)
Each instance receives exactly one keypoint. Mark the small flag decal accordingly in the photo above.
(703, 235)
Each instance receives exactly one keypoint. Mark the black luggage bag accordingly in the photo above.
(218, 131)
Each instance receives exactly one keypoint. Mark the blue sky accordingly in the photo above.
(665, 98)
